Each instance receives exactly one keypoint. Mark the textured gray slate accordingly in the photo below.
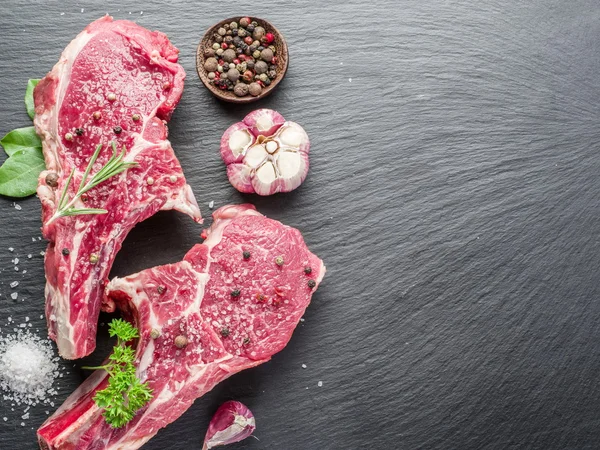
(453, 194)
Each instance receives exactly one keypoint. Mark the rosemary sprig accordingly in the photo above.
(114, 166)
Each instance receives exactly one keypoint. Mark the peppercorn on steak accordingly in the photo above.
(101, 115)
(231, 304)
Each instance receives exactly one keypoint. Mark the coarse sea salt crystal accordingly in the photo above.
(211, 204)
(18, 207)
(14, 284)
(320, 384)
(10, 249)
(30, 256)
(14, 295)
(304, 366)
(27, 369)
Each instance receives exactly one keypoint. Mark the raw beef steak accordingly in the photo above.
(116, 81)
(235, 300)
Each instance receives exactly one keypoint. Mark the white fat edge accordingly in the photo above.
(219, 225)
(215, 236)
(184, 202)
(202, 280)
(65, 331)
(56, 318)
(133, 286)
(322, 270)
(123, 444)
(46, 124)
(146, 359)
(88, 385)
(141, 144)
(63, 74)
(77, 427)
(60, 309)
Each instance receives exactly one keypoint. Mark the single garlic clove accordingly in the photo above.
(293, 169)
(255, 156)
(293, 135)
(264, 122)
(233, 422)
(265, 180)
(240, 177)
(235, 141)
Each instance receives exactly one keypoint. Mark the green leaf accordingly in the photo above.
(124, 394)
(122, 329)
(123, 354)
(19, 173)
(21, 139)
(32, 83)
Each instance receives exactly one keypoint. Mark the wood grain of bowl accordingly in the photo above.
(228, 96)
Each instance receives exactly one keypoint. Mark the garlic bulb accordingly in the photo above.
(265, 154)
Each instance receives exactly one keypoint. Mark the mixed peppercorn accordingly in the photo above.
(241, 57)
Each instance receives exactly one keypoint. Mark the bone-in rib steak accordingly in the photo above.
(235, 300)
(116, 81)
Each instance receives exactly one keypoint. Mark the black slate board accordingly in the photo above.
(453, 194)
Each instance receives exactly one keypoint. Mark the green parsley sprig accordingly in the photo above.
(114, 166)
(125, 393)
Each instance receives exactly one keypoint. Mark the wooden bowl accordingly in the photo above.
(228, 96)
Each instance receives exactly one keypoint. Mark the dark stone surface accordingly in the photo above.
(454, 196)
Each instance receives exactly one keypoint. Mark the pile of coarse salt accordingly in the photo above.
(28, 368)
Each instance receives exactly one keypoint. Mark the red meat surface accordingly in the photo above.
(116, 81)
(236, 310)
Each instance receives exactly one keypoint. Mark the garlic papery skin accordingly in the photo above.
(265, 154)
